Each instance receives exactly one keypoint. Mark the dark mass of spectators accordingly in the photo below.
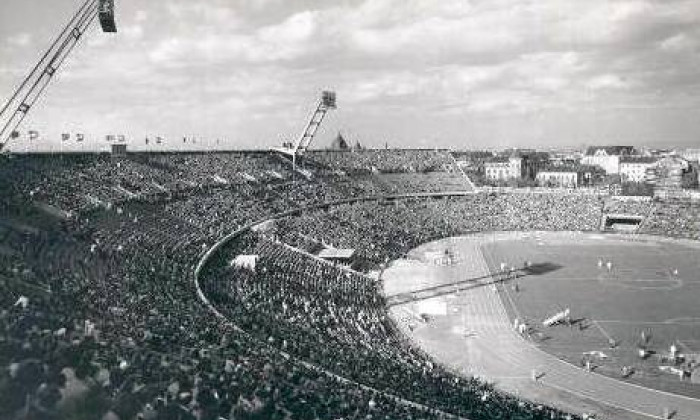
(76, 183)
(337, 320)
(385, 160)
(388, 229)
(100, 318)
(680, 219)
(635, 206)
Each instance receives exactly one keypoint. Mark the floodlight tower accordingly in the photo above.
(325, 104)
(15, 110)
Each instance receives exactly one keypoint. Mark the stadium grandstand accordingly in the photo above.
(101, 309)
(259, 284)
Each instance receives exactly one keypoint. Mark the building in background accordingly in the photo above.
(668, 173)
(503, 168)
(560, 158)
(533, 162)
(607, 157)
(558, 176)
(634, 168)
(569, 176)
(692, 155)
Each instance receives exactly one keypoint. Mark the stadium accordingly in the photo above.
(353, 283)
(139, 294)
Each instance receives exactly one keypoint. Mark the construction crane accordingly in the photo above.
(15, 110)
(296, 150)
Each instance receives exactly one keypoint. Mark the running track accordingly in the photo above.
(475, 337)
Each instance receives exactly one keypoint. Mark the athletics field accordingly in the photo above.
(650, 298)
(450, 300)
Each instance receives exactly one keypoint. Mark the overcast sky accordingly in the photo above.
(413, 73)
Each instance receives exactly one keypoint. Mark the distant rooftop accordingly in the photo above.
(571, 168)
(498, 159)
(610, 150)
(638, 159)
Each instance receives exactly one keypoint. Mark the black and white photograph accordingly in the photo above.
(350, 210)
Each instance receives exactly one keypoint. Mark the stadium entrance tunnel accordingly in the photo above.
(622, 222)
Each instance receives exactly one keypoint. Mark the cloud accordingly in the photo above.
(209, 12)
(223, 61)
(19, 40)
(680, 43)
(608, 81)
(284, 41)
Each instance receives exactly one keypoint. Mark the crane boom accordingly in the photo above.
(15, 110)
(326, 103)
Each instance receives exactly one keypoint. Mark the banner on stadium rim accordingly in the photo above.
(106, 13)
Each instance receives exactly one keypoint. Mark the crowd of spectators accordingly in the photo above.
(107, 303)
(388, 229)
(76, 182)
(100, 305)
(337, 320)
(385, 160)
(99, 315)
(680, 219)
(622, 205)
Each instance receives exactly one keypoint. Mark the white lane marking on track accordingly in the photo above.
(603, 379)
(602, 330)
(487, 307)
(584, 395)
(674, 321)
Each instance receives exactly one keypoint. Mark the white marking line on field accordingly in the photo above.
(605, 333)
(600, 377)
(486, 255)
(512, 302)
(527, 377)
(676, 321)
(686, 347)
(586, 396)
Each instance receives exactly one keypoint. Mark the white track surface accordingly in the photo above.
(469, 331)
